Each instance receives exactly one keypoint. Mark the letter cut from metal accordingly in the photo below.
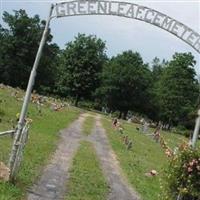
(130, 10)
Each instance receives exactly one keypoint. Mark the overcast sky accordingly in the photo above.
(121, 33)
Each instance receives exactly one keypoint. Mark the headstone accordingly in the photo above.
(145, 127)
(129, 120)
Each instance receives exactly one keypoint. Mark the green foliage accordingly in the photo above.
(125, 80)
(157, 70)
(88, 105)
(19, 44)
(180, 129)
(183, 175)
(86, 179)
(176, 90)
(81, 63)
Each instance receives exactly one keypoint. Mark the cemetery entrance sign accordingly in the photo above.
(130, 10)
(98, 7)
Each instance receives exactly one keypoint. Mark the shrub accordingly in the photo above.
(183, 175)
(88, 105)
(181, 130)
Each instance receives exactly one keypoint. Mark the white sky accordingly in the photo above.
(120, 33)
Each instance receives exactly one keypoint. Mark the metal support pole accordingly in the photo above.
(24, 109)
(7, 133)
(196, 130)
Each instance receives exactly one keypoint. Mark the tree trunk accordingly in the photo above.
(77, 100)
(120, 115)
(169, 125)
(125, 114)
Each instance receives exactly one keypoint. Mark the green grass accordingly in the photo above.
(144, 156)
(88, 125)
(43, 138)
(86, 179)
(173, 140)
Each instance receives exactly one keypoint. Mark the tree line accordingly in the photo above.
(164, 91)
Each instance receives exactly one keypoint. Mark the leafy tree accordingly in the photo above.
(157, 70)
(19, 44)
(125, 80)
(177, 89)
(81, 63)
(48, 69)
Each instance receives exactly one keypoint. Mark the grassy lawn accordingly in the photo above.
(86, 179)
(43, 138)
(88, 125)
(173, 139)
(144, 156)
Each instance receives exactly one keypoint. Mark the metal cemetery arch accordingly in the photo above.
(129, 10)
(100, 7)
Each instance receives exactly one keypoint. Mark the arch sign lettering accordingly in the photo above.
(130, 10)
(100, 7)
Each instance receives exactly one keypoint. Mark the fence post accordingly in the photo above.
(196, 130)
